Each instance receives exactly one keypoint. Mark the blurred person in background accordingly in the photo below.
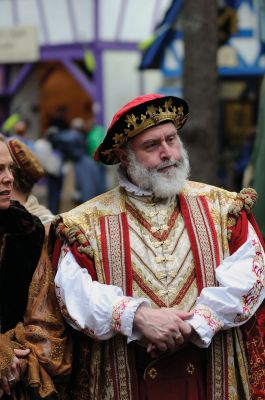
(71, 145)
(147, 273)
(243, 158)
(51, 158)
(27, 171)
(90, 181)
(20, 131)
(35, 351)
(59, 118)
(95, 135)
(52, 162)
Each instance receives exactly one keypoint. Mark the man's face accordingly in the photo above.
(6, 176)
(156, 145)
(157, 161)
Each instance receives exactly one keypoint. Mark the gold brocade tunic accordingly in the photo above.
(162, 265)
(162, 261)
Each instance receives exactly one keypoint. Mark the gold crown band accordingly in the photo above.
(152, 116)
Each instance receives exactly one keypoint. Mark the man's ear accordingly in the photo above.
(122, 156)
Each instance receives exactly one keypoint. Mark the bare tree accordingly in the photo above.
(200, 79)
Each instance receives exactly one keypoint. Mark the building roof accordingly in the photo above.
(79, 21)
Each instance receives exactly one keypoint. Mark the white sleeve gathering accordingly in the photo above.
(241, 290)
(97, 309)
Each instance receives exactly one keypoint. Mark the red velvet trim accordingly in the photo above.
(84, 261)
(186, 216)
(131, 104)
(56, 254)
(127, 255)
(174, 379)
(239, 232)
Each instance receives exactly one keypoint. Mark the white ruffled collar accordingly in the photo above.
(130, 187)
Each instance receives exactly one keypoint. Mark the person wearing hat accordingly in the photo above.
(161, 278)
(27, 171)
(34, 346)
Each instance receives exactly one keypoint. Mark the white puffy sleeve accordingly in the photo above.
(98, 310)
(241, 290)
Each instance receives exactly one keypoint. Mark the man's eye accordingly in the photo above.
(150, 145)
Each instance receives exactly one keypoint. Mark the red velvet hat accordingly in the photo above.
(141, 113)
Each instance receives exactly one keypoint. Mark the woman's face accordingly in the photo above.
(6, 176)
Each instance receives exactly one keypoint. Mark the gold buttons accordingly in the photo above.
(164, 226)
(152, 373)
(162, 275)
(160, 260)
(168, 258)
(152, 214)
(165, 243)
(190, 368)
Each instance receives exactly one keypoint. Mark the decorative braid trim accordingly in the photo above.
(210, 317)
(72, 235)
(117, 313)
(250, 299)
(245, 200)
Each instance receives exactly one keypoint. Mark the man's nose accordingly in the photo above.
(165, 152)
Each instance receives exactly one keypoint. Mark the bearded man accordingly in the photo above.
(161, 278)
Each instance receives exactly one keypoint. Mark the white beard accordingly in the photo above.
(162, 184)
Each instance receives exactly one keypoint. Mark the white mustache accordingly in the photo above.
(169, 163)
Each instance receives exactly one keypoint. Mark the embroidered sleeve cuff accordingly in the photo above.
(206, 324)
(123, 316)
